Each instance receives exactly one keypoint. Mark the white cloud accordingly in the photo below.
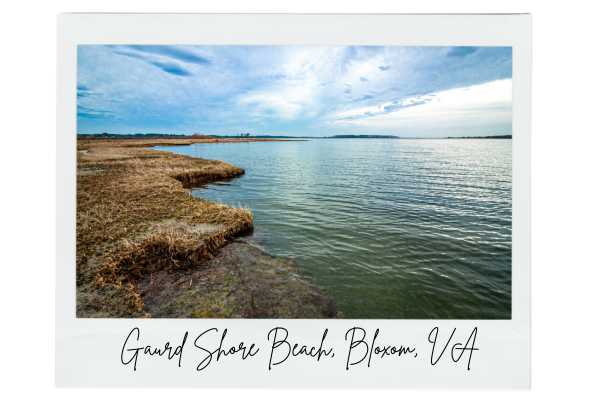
(299, 89)
(488, 103)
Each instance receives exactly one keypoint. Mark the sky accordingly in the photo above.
(295, 90)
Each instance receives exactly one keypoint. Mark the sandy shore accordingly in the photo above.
(147, 248)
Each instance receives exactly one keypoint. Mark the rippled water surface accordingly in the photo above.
(388, 228)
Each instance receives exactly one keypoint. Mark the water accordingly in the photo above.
(388, 228)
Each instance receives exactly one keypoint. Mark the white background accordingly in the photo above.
(565, 185)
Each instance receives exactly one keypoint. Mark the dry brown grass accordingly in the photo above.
(136, 219)
(123, 189)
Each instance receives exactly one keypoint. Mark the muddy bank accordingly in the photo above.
(241, 281)
(147, 248)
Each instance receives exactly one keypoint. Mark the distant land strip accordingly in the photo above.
(106, 135)
(482, 137)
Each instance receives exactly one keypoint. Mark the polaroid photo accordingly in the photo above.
(293, 200)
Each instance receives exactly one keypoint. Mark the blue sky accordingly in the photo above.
(295, 90)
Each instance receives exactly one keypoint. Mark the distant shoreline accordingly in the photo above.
(217, 138)
(482, 137)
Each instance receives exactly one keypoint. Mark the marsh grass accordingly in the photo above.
(123, 191)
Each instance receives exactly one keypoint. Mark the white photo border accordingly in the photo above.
(88, 350)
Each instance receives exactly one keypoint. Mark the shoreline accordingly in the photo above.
(147, 248)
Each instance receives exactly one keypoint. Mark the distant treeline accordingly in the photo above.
(398, 137)
(363, 137)
(483, 137)
(106, 135)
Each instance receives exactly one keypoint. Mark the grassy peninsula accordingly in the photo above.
(147, 248)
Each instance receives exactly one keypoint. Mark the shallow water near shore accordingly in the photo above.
(387, 228)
